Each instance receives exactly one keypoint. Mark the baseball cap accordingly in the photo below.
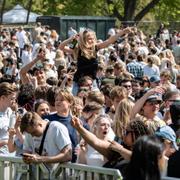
(154, 79)
(166, 132)
(154, 98)
(175, 112)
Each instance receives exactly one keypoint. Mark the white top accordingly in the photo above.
(26, 57)
(94, 158)
(21, 37)
(4, 125)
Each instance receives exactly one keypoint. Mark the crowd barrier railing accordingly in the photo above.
(13, 168)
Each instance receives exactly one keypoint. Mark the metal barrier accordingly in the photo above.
(13, 168)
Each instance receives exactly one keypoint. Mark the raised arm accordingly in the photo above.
(24, 71)
(114, 38)
(64, 45)
(98, 144)
(10, 144)
(139, 104)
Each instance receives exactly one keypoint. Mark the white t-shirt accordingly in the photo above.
(4, 125)
(26, 57)
(57, 137)
(21, 36)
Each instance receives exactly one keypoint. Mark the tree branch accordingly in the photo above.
(144, 11)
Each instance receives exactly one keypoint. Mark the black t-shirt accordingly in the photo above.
(85, 67)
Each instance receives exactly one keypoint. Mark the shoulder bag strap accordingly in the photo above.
(43, 138)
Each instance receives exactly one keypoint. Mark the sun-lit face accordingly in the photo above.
(102, 128)
(9, 100)
(40, 76)
(43, 109)
(136, 87)
(128, 86)
(90, 38)
(61, 104)
(151, 109)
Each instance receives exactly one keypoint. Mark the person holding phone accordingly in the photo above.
(44, 142)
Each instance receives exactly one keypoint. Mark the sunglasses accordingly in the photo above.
(38, 72)
(127, 86)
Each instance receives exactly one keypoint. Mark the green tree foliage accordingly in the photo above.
(167, 10)
(123, 10)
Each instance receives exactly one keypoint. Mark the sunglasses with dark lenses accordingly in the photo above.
(127, 86)
(38, 72)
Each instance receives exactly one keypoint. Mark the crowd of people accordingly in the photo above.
(112, 103)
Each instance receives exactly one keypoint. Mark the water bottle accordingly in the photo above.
(12, 120)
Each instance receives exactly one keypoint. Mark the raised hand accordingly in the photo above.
(12, 132)
(76, 122)
(41, 54)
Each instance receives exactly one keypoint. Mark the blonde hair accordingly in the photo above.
(77, 101)
(167, 74)
(122, 116)
(98, 119)
(83, 46)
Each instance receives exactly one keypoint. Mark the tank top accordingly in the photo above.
(85, 67)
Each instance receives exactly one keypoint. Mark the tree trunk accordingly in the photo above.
(2, 10)
(129, 9)
(29, 10)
